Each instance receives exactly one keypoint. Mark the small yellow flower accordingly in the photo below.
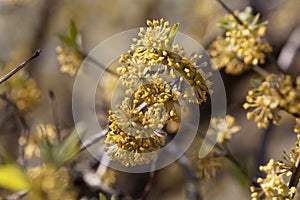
(273, 186)
(49, 183)
(68, 59)
(223, 128)
(275, 93)
(32, 146)
(242, 46)
(207, 167)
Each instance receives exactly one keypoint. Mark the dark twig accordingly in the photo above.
(192, 186)
(150, 181)
(230, 11)
(93, 140)
(19, 67)
(234, 161)
(55, 113)
(23, 125)
(295, 176)
(92, 60)
(262, 151)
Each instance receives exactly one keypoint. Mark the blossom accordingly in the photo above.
(242, 46)
(32, 143)
(275, 93)
(50, 183)
(131, 150)
(156, 74)
(69, 59)
(207, 167)
(223, 128)
(273, 186)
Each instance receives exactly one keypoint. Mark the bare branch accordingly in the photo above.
(23, 125)
(55, 113)
(19, 67)
(230, 11)
(93, 140)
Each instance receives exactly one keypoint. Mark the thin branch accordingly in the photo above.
(19, 67)
(230, 11)
(23, 126)
(55, 113)
(295, 176)
(234, 161)
(260, 71)
(149, 184)
(192, 187)
(262, 151)
(92, 60)
(93, 140)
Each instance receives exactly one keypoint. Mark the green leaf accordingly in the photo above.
(255, 19)
(255, 83)
(73, 31)
(68, 148)
(173, 33)
(65, 39)
(102, 196)
(13, 178)
(47, 151)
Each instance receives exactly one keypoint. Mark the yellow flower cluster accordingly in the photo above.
(242, 46)
(22, 90)
(154, 51)
(32, 144)
(275, 93)
(68, 59)
(156, 74)
(273, 186)
(136, 127)
(289, 161)
(223, 128)
(207, 167)
(131, 150)
(50, 183)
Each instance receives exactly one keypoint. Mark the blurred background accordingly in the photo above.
(26, 25)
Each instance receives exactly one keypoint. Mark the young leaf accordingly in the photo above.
(102, 196)
(73, 31)
(65, 39)
(68, 148)
(173, 33)
(13, 178)
(255, 83)
(47, 151)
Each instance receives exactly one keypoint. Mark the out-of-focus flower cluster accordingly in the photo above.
(243, 45)
(22, 90)
(274, 185)
(277, 183)
(156, 74)
(221, 130)
(69, 59)
(33, 142)
(49, 183)
(275, 93)
(205, 168)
